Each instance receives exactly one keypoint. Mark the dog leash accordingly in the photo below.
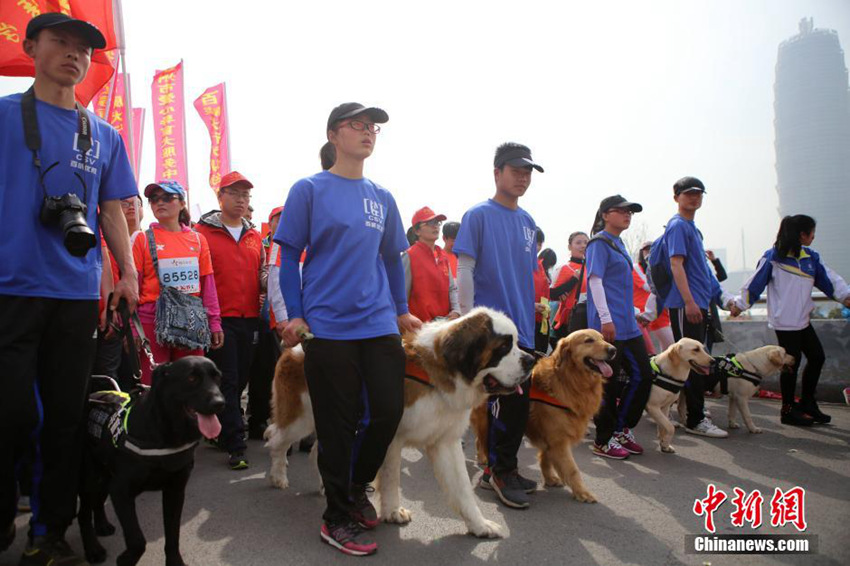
(126, 333)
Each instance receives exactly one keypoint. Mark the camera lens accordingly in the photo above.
(79, 240)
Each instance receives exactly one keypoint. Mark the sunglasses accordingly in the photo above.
(163, 197)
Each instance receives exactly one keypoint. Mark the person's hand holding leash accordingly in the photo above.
(126, 288)
(408, 323)
(294, 332)
(609, 332)
(217, 340)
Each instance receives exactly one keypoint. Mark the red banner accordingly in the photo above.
(169, 125)
(212, 106)
(120, 113)
(103, 100)
(14, 16)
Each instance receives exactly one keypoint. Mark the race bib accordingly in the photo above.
(181, 273)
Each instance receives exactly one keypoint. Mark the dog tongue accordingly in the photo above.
(518, 390)
(604, 368)
(209, 426)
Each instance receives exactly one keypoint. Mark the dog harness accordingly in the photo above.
(414, 371)
(538, 396)
(110, 413)
(663, 380)
(731, 367)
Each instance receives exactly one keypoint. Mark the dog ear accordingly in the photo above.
(777, 357)
(561, 355)
(159, 372)
(674, 354)
(463, 346)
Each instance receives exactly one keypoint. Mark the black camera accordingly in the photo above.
(69, 213)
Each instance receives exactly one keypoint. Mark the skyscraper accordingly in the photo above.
(812, 124)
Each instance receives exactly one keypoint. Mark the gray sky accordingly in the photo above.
(612, 97)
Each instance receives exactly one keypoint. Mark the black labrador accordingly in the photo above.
(146, 442)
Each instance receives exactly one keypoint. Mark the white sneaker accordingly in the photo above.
(707, 428)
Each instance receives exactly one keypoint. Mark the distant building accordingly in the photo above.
(812, 124)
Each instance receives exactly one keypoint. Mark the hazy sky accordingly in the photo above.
(612, 97)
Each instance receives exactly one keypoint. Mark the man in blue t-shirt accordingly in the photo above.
(497, 257)
(50, 274)
(691, 294)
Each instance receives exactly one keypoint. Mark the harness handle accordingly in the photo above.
(127, 334)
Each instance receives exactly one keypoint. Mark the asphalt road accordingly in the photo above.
(645, 507)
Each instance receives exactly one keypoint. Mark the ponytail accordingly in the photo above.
(327, 155)
(598, 224)
(788, 236)
(184, 218)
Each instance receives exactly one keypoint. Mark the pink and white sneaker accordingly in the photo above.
(627, 440)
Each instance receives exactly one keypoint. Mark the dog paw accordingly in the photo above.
(554, 482)
(668, 449)
(584, 496)
(280, 482)
(398, 516)
(104, 529)
(756, 430)
(733, 424)
(487, 529)
(95, 554)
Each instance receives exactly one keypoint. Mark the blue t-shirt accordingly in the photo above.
(34, 261)
(615, 270)
(503, 243)
(683, 239)
(346, 226)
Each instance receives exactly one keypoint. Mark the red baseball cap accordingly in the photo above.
(233, 178)
(425, 214)
(275, 212)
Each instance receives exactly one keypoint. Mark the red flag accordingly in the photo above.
(104, 100)
(212, 106)
(119, 114)
(169, 125)
(14, 16)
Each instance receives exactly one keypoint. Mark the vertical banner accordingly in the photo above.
(169, 125)
(138, 138)
(102, 102)
(212, 106)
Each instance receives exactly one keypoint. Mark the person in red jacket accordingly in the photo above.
(238, 259)
(431, 287)
(564, 289)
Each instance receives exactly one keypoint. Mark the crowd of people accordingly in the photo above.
(339, 269)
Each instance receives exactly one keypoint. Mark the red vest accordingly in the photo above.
(429, 289)
(237, 270)
(562, 317)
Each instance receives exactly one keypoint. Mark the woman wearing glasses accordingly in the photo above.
(431, 287)
(610, 309)
(350, 295)
(184, 262)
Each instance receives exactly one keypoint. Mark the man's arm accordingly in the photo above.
(466, 282)
(114, 228)
(692, 310)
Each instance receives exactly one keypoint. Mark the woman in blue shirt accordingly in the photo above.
(351, 297)
(611, 310)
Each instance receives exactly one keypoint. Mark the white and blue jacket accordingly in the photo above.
(789, 281)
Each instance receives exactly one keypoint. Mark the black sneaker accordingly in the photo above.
(811, 408)
(349, 538)
(50, 551)
(510, 490)
(237, 461)
(530, 486)
(362, 509)
(792, 415)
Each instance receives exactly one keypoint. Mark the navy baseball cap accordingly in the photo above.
(688, 184)
(519, 156)
(618, 201)
(351, 109)
(57, 19)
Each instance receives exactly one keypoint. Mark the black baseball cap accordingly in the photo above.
(687, 184)
(56, 19)
(618, 201)
(517, 156)
(350, 109)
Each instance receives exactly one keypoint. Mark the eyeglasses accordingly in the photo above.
(164, 197)
(128, 204)
(238, 195)
(626, 211)
(359, 125)
(434, 223)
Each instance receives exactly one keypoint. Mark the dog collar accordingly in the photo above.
(130, 446)
(413, 371)
(663, 380)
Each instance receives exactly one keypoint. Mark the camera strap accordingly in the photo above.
(32, 136)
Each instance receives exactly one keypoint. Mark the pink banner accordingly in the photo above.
(169, 125)
(212, 106)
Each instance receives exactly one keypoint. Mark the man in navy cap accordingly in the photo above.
(63, 174)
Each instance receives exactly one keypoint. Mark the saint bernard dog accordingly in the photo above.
(452, 367)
